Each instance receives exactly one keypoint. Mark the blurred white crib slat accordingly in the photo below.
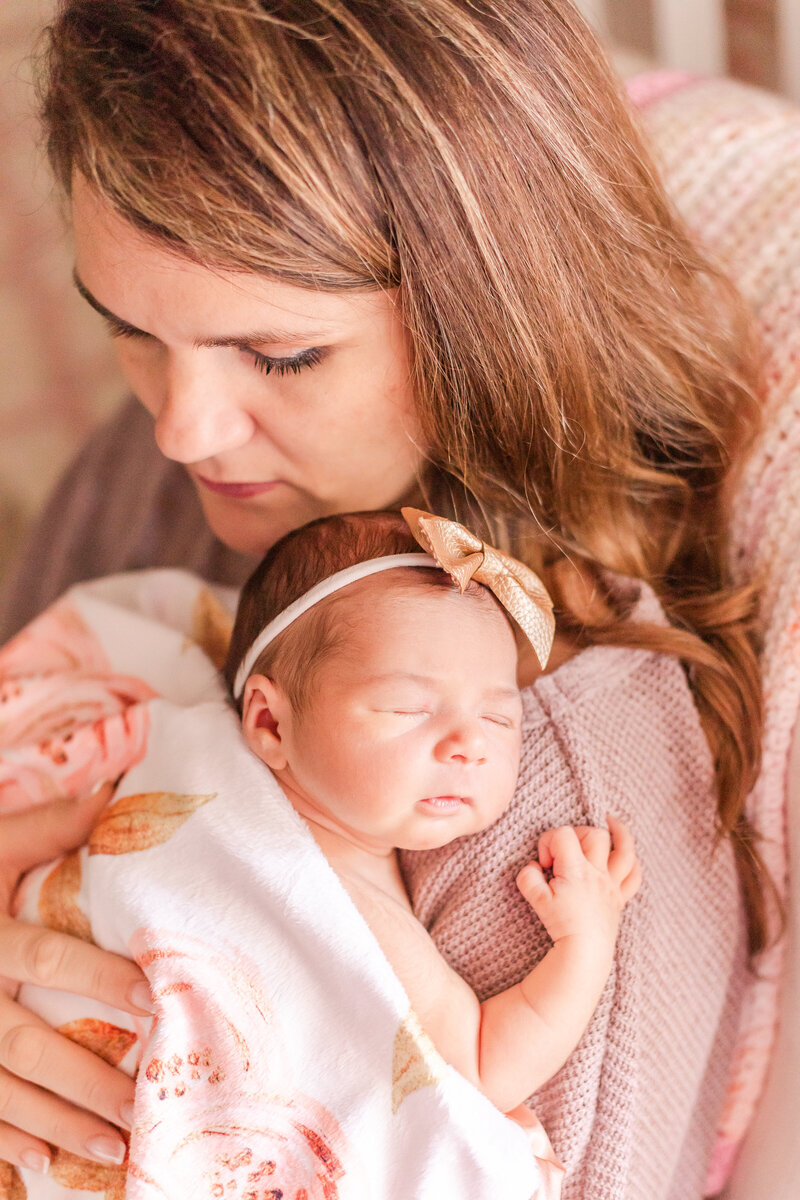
(789, 46)
(689, 34)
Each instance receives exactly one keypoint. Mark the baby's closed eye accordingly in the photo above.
(499, 719)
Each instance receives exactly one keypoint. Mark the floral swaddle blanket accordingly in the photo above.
(283, 1060)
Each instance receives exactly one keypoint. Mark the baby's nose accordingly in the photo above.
(464, 743)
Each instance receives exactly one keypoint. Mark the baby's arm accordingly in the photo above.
(528, 1032)
(513, 1043)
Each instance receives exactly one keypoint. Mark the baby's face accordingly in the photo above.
(412, 737)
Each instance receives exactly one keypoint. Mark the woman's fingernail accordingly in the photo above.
(126, 1113)
(140, 996)
(34, 1161)
(101, 783)
(106, 1149)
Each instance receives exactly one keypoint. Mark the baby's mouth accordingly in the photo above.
(445, 804)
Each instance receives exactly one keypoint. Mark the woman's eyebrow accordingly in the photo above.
(244, 341)
(116, 322)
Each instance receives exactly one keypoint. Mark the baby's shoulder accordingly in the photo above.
(408, 946)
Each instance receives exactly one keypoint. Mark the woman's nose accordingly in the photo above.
(464, 743)
(198, 415)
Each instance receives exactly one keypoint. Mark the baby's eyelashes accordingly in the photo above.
(498, 719)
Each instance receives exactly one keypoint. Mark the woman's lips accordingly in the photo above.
(237, 491)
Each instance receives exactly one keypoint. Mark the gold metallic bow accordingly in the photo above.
(465, 557)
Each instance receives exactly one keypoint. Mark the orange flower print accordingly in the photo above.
(141, 821)
(66, 720)
(11, 1185)
(83, 1175)
(416, 1062)
(112, 1044)
(58, 899)
(107, 1041)
(212, 626)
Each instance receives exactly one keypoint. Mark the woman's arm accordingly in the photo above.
(52, 1091)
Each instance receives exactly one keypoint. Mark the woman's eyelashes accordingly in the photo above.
(284, 366)
(265, 363)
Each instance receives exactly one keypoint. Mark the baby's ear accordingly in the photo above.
(264, 710)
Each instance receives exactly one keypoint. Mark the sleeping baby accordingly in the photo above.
(379, 687)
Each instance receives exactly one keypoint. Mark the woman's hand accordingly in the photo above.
(52, 1091)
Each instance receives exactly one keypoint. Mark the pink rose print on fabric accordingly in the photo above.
(264, 1147)
(66, 721)
(57, 642)
(215, 1108)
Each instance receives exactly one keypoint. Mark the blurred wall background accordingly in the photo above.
(58, 375)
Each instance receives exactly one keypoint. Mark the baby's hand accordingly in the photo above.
(591, 881)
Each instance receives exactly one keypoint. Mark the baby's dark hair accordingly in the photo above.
(295, 564)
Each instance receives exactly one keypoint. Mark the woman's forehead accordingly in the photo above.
(134, 281)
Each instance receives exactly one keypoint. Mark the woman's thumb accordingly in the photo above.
(39, 834)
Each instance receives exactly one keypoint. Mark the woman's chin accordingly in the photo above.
(248, 529)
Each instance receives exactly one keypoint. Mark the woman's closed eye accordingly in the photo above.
(267, 364)
(293, 364)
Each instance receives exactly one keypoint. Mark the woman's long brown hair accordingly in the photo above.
(586, 381)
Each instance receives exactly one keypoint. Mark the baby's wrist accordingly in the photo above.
(591, 947)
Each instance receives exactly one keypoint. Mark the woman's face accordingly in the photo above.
(283, 404)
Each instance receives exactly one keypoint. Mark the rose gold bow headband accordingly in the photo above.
(465, 557)
(458, 552)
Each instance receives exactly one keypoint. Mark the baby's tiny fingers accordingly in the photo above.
(532, 883)
(596, 845)
(560, 850)
(631, 883)
(623, 854)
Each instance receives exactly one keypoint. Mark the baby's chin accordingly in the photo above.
(437, 838)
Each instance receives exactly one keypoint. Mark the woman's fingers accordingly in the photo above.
(40, 834)
(31, 1050)
(30, 954)
(22, 1150)
(55, 1120)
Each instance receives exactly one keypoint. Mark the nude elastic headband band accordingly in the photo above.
(319, 592)
(464, 557)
